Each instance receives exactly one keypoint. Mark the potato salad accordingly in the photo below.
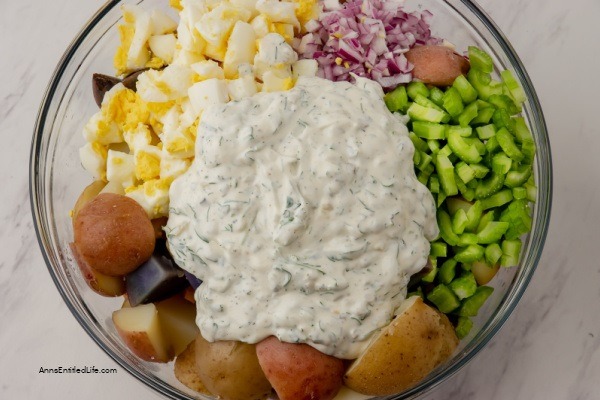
(299, 199)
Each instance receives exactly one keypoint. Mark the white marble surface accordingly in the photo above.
(548, 349)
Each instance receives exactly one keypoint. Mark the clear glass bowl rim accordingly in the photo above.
(493, 325)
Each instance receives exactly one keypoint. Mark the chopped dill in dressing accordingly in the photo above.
(302, 215)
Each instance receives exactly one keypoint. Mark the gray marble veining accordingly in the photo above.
(549, 347)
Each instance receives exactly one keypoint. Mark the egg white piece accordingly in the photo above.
(138, 54)
(153, 196)
(274, 53)
(120, 168)
(208, 69)
(208, 92)
(163, 46)
(99, 130)
(171, 83)
(304, 68)
(241, 48)
(242, 87)
(161, 22)
(93, 159)
(113, 187)
(171, 167)
(278, 11)
(260, 24)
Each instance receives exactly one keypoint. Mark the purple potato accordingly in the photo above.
(194, 282)
(102, 84)
(156, 279)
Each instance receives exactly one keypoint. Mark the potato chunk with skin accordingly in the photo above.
(113, 234)
(110, 286)
(178, 320)
(140, 329)
(436, 65)
(87, 195)
(186, 372)
(230, 370)
(403, 353)
(298, 371)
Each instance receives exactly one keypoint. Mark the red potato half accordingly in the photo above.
(110, 286)
(419, 339)
(436, 65)
(140, 329)
(298, 371)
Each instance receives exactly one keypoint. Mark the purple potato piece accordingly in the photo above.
(102, 84)
(156, 279)
(130, 81)
(194, 282)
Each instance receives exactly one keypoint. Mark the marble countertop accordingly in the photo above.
(548, 349)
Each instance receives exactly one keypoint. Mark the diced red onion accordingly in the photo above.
(369, 36)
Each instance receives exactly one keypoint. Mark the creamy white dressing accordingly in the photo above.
(302, 215)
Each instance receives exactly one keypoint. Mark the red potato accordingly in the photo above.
(436, 65)
(113, 234)
(87, 195)
(298, 371)
(178, 320)
(110, 286)
(158, 224)
(188, 294)
(140, 329)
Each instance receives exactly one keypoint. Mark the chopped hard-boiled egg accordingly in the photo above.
(274, 53)
(304, 68)
(120, 168)
(241, 48)
(161, 23)
(93, 159)
(279, 11)
(179, 142)
(138, 138)
(206, 93)
(208, 69)
(272, 82)
(163, 46)
(171, 83)
(140, 26)
(171, 167)
(260, 24)
(242, 87)
(219, 50)
(153, 196)
(147, 163)
(98, 129)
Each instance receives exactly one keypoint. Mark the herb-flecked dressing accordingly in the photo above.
(302, 215)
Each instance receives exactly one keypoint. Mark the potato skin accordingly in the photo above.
(229, 369)
(109, 286)
(298, 371)
(113, 234)
(186, 371)
(87, 195)
(419, 339)
(436, 65)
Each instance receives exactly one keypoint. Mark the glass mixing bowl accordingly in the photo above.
(57, 178)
